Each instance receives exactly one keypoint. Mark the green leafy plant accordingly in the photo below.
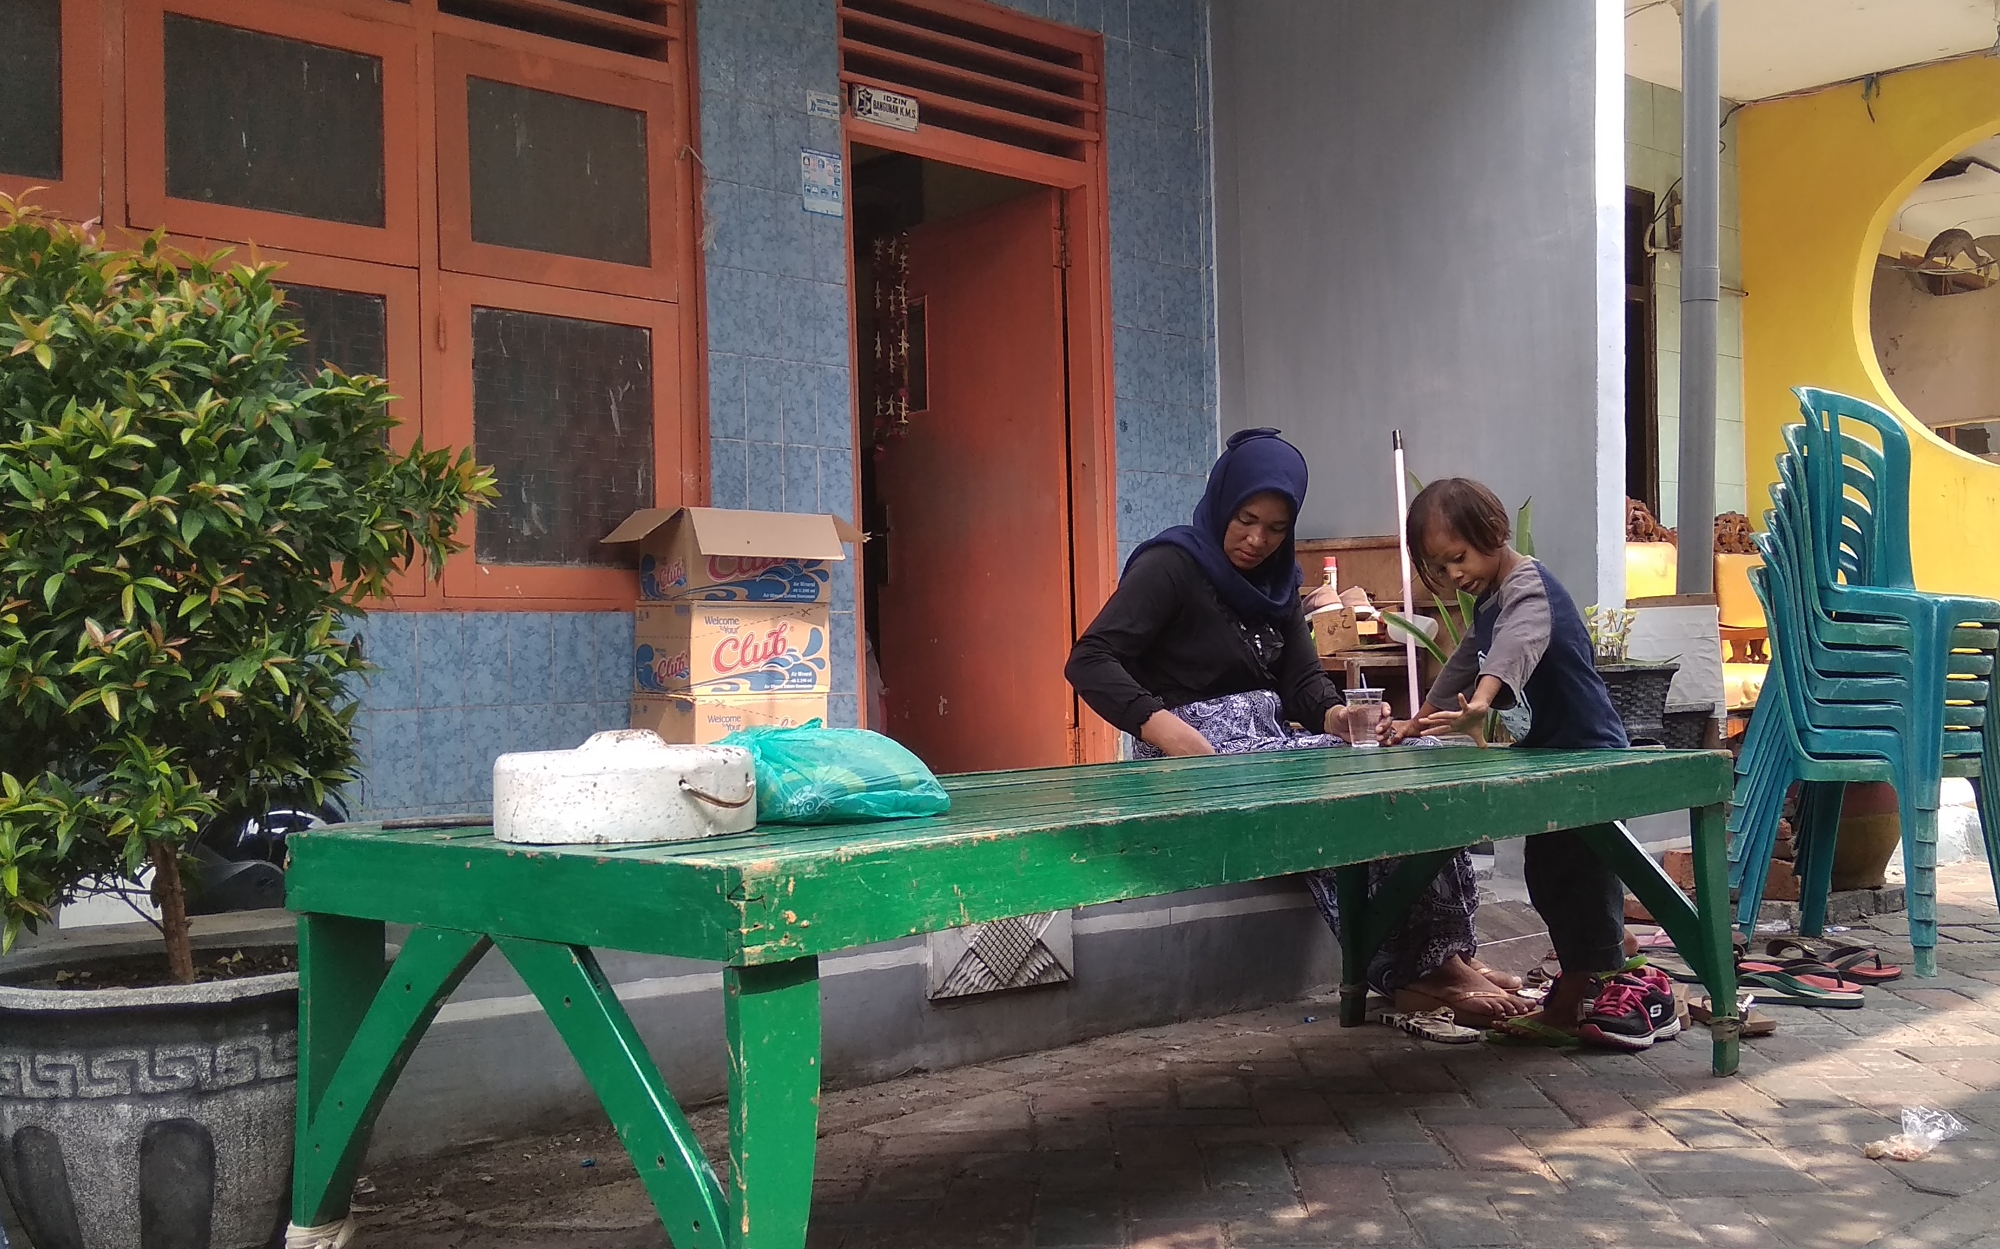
(1610, 631)
(188, 527)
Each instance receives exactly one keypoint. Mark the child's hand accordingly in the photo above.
(1395, 732)
(1470, 715)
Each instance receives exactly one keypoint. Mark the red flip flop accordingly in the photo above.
(1806, 971)
(1851, 962)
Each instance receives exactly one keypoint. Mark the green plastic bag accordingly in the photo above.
(817, 775)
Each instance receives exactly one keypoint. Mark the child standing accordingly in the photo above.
(1528, 648)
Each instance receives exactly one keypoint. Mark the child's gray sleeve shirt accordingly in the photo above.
(1519, 637)
(1521, 632)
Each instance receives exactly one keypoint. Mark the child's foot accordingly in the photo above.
(1563, 1009)
(1620, 1016)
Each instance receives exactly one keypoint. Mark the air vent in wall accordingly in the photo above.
(978, 70)
(639, 27)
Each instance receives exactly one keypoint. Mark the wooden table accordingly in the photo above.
(767, 904)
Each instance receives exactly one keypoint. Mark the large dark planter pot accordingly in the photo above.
(1639, 693)
(1871, 827)
(149, 1118)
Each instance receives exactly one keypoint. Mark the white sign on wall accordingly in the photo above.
(884, 108)
(819, 182)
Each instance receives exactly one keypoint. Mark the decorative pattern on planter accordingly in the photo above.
(129, 1071)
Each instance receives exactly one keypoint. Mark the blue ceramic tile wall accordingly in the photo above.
(780, 412)
(454, 689)
(1162, 255)
(781, 418)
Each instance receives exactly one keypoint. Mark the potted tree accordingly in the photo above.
(188, 526)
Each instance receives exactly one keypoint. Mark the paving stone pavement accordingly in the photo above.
(1279, 1128)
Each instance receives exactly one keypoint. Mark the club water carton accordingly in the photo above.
(700, 721)
(707, 648)
(710, 554)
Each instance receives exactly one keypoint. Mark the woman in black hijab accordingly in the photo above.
(1203, 649)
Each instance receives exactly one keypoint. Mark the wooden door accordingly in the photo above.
(976, 612)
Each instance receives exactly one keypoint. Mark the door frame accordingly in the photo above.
(1084, 194)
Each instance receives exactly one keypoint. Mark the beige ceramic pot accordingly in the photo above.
(1870, 831)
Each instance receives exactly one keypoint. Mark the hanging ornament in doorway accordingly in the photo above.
(892, 336)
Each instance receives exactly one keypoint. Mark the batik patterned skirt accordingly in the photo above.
(1438, 924)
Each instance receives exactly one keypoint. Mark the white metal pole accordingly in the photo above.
(1403, 544)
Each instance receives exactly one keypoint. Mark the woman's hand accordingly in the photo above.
(1171, 735)
(1469, 716)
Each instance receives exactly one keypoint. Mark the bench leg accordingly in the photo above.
(579, 1000)
(358, 1024)
(1700, 929)
(1365, 921)
(772, 1016)
(1351, 886)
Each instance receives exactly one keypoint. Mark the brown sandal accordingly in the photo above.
(1755, 1023)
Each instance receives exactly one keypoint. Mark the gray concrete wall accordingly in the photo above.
(1410, 233)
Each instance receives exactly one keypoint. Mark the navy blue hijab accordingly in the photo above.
(1256, 461)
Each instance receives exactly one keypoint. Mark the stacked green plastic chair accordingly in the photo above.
(1871, 679)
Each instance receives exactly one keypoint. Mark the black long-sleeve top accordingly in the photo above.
(1165, 639)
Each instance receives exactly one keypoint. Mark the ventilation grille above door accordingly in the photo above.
(639, 27)
(978, 70)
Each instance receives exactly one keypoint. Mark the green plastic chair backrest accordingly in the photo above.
(1824, 411)
(1853, 544)
(1842, 521)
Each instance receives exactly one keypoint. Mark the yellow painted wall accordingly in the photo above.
(1819, 181)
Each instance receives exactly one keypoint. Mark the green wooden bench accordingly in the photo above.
(767, 904)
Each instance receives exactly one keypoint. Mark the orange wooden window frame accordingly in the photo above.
(113, 118)
(448, 398)
(399, 289)
(79, 193)
(388, 35)
(461, 59)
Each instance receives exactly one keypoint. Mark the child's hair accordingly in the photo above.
(1462, 506)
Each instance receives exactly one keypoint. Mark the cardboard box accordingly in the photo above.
(1334, 631)
(700, 721)
(708, 648)
(706, 553)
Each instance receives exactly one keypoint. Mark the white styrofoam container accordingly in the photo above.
(620, 787)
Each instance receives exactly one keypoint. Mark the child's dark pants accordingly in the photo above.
(1580, 899)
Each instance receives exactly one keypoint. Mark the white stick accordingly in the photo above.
(1403, 544)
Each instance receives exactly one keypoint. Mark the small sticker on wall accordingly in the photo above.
(822, 104)
(819, 182)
